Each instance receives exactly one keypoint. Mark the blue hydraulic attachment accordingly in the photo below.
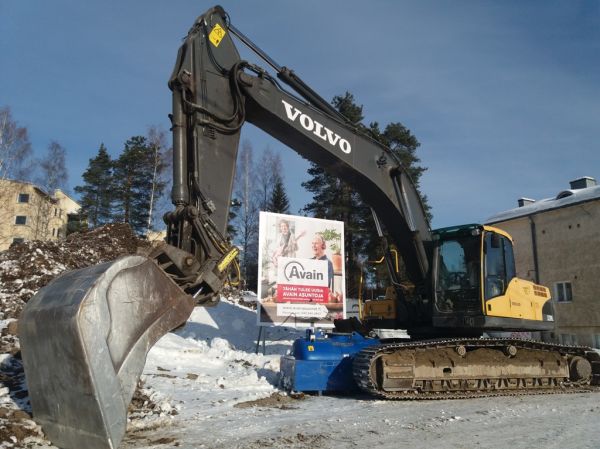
(322, 361)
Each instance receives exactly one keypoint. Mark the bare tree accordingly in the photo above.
(268, 171)
(53, 175)
(40, 219)
(15, 163)
(53, 168)
(161, 155)
(246, 221)
(15, 148)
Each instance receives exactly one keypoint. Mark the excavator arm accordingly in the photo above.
(85, 336)
(215, 93)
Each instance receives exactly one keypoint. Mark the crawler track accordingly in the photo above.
(467, 368)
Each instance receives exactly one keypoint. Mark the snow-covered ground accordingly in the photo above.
(226, 396)
(213, 391)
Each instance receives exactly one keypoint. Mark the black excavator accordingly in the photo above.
(85, 336)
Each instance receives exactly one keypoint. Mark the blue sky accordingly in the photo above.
(503, 96)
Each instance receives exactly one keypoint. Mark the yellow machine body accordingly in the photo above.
(521, 299)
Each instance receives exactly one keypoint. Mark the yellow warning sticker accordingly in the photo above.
(311, 348)
(216, 35)
(227, 259)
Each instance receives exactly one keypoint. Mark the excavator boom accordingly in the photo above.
(215, 93)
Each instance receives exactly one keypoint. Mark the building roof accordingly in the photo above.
(563, 199)
(56, 191)
(41, 190)
(28, 183)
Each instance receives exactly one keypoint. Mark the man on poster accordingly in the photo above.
(319, 246)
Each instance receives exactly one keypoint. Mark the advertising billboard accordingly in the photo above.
(300, 271)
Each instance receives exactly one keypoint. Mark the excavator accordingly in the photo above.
(85, 336)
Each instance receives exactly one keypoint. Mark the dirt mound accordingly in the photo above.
(24, 269)
(28, 266)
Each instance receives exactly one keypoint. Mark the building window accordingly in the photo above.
(21, 220)
(23, 198)
(563, 291)
(597, 341)
(53, 232)
(21, 240)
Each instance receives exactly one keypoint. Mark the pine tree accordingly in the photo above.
(334, 199)
(279, 202)
(135, 181)
(404, 145)
(97, 191)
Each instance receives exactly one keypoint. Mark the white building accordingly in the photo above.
(557, 244)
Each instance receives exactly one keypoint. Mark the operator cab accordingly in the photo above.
(468, 258)
(475, 284)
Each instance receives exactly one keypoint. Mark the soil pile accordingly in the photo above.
(24, 269)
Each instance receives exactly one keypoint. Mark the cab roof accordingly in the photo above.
(467, 229)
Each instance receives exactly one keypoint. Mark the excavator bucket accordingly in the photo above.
(84, 340)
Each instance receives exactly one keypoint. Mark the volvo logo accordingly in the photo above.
(316, 128)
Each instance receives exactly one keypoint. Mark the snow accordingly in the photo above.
(563, 199)
(208, 369)
(211, 362)
(203, 376)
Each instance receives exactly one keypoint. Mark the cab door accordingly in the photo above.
(505, 295)
(499, 273)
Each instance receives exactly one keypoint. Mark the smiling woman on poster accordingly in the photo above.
(287, 243)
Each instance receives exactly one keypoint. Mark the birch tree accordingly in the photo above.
(268, 170)
(159, 160)
(15, 148)
(246, 220)
(54, 174)
(15, 164)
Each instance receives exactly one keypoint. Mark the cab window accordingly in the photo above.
(458, 272)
